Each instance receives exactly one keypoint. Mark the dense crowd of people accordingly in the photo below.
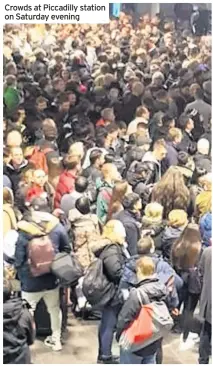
(107, 156)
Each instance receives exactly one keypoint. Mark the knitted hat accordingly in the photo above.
(206, 228)
(177, 218)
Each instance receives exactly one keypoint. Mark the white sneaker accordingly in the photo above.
(48, 341)
(57, 346)
(189, 343)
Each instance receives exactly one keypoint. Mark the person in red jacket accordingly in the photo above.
(67, 179)
(40, 188)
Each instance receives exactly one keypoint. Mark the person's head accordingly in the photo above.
(175, 135)
(108, 115)
(72, 98)
(186, 250)
(72, 162)
(137, 88)
(81, 184)
(14, 139)
(110, 172)
(153, 212)
(58, 84)
(49, 129)
(112, 130)
(65, 74)
(11, 68)
(177, 218)
(115, 232)
(145, 268)
(58, 56)
(40, 54)
(39, 177)
(203, 146)
(159, 149)
(186, 123)
(63, 103)
(168, 121)
(206, 182)
(77, 149)
(41, 104)
(97, 158)
(198, 93)
(8, 196)
(122, 128)
(39, 204)
(118, 193)
(142, 112)
(132, 202)
(83, 205)
(158, 78)
(17, 156)
(146, 245)
(171, 191)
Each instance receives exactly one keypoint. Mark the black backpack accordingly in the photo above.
(97, 289)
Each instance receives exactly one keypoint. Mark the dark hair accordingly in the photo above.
(94, 156)
(183, 121)
(130, 201)
(81, 184)
(112, 127)
(40, 100)
(63, 98)
(121, 125)
(183, 158)
(83, 205)
(186, 250)
(198, 173)
(166, 120)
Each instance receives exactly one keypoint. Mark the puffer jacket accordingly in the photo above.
(18, 332)
(85, 230)
(65, 185)
(156, 291)
(28, 229)
(169, 236)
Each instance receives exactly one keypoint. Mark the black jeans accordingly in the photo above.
(205, 343)
(190, 304)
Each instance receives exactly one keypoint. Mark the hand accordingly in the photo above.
(175, 312)
(57, 212)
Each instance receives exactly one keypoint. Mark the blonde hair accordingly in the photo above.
(145, 266)
(154, 210)
(177, 218)
(114, 231)
(77, 149)
(107, 169)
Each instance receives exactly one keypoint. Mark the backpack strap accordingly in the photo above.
(142, 296)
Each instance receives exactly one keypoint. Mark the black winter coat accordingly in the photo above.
(132, 227)
(156, 291)
(18, 332)
(14, 174)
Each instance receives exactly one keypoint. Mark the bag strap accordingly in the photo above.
(142, 297)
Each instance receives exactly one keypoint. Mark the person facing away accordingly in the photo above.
(156, 291)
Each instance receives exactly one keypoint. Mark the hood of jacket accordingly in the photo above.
(98, 245)
(40, 223)
(149, 157)
(153, 287)
(12, 311)
(172, 232)
(22, 165)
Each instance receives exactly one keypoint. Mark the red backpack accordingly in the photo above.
(40, 255)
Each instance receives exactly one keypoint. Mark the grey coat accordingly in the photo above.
(206, 276)
(203, 108)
